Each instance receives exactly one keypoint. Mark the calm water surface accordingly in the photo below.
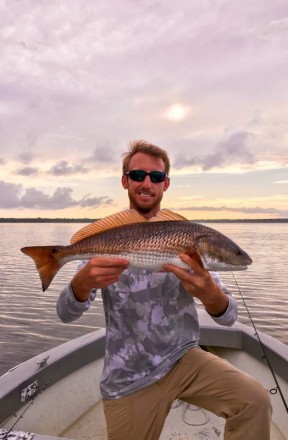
(29, 323)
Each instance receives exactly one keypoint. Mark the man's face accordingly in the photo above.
(145, 196)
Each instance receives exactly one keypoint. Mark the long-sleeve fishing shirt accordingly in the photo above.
(151, 321)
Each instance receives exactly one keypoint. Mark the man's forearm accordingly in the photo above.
(217, 304)
(80, 290)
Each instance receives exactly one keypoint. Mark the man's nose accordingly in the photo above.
(147, 181)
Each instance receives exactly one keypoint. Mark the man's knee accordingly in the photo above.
(252, 415)
(256, 397)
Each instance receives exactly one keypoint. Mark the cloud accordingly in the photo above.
(26, 157)
(10, 194)
(242, 209)
(15, 196)
(34, 198)
(91, 202)
(232, 150)
(275, 31)
(77, 83)
(63, 168)
(27, 171)
(104, 154)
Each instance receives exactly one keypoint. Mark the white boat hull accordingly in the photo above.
(66, 401)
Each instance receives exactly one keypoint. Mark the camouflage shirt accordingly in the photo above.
(151, 321)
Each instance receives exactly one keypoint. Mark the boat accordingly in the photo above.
(56, 394)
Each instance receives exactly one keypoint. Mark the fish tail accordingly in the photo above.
(46, 262)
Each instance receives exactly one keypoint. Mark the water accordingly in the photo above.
(29, 323)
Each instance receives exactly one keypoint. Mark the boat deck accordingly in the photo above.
(183, 423)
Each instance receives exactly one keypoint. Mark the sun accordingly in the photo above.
(177, 112)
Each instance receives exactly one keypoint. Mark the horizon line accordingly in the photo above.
(89, 219)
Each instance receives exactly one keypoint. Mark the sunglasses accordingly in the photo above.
(139, 176)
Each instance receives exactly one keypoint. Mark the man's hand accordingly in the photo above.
(200, 284)
(99, 272)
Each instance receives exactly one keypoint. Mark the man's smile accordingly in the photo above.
(145, 194)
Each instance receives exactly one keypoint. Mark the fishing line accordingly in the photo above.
(21, 414)
(188, 407)
(264, 353)
(6, 435)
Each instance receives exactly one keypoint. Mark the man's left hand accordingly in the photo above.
(200, 284)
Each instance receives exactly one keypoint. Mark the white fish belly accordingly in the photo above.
(150, 260)
(154, 260)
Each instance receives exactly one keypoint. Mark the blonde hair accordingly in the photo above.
(142, 146)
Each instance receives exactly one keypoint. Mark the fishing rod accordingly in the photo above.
(10, 430)
(264, 352)
(21, 413)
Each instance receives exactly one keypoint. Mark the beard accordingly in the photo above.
(144, 208)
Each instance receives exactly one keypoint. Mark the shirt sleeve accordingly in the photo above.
(68, 307)
(229, 317)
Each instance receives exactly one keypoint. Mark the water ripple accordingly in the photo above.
(29, 324)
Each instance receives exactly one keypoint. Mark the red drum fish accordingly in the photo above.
(146, 244)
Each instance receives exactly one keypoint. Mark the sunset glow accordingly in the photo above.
(79, 83)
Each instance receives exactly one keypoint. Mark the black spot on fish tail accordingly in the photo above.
(45, 260)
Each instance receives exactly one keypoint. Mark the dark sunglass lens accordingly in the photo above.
(157, 176)
(137, 175)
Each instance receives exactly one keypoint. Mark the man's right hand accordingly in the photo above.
(99, 272)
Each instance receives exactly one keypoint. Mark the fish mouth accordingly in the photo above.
(235, 268)
(216, 265)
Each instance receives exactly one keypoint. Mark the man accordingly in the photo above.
(152, 355)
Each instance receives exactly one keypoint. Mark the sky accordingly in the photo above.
(207, 80)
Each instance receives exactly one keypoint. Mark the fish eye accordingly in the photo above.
(54, 251)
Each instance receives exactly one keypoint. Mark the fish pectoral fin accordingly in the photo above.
(197, 257)
(166, 215)
(126, 217)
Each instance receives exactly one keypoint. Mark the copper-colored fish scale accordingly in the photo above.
(145, 244)
(159, 237)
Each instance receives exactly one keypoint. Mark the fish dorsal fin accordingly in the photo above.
(165, 215)
(121, 218)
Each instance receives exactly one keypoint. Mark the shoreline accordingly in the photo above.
(91, 220)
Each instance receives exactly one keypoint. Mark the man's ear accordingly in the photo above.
(124, 181)
(166, 184)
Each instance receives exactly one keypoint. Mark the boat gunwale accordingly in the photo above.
(51, 366)
(47, 369)
(243, 337)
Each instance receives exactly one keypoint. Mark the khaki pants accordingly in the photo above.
(201, 379)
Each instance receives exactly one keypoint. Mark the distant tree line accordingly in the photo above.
(46, 220)
(90, 220)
